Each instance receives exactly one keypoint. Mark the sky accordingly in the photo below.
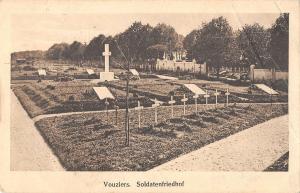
(41, 31)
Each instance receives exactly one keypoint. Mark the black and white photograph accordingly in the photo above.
(150, 93)
(163, 92)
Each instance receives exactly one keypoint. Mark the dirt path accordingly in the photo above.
(253, 149)
(28, 149)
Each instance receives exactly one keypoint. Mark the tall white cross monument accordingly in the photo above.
(106, 75)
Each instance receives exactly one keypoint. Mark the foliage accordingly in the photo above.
(95, 48)
(75, 51)
(212, 42)
(253, 41)
(134, 41)
(189, 43)
(57, 51)
(279, 44)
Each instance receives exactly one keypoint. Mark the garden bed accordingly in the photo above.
(88, 142)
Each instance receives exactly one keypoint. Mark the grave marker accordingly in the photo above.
(195, 89)
(184, 100)
(227, 96)
(267, 89)
(196, 105)
(103, 92)
(171, 102)
(139, 108)
(41, 72)
(106, 75)
(116, 108)
(135, 73)
(155, 105)
(90, 71)
(206, 96)
(216, 94)
(106, 107)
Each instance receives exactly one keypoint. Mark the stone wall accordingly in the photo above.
(182, 66)
(267, 74)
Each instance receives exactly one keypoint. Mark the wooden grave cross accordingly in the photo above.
(227, 96)
(155, 105)
(106, 108)
(184, 101)
(139, 108)
(206, 96)
(116, 108)
(216, 94)
(196, 106)
(171, 102)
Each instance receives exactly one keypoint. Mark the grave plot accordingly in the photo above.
(150, 87)
(88, 142)
(48, 97)
(238, 93)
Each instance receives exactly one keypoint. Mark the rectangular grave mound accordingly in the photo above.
(221, 113)
(162, 131)
(210, 119)
(198, 123)
(185, 127)
(103, 127)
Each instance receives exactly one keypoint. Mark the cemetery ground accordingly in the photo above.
(51, 97)
(88, 142)
(95, 141)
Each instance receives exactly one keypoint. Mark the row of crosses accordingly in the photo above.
(185, 99)
(171, 103)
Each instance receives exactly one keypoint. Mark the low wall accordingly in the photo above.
(282, 75)
(267, 74)
(183, 66)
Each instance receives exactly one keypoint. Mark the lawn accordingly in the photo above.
(88, 142)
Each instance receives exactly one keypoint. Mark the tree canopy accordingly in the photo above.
(279, 43)
(214, 42)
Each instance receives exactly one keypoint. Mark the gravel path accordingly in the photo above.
(253, 149)
(28, 149)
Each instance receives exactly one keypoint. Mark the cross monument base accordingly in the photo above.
(107, 76)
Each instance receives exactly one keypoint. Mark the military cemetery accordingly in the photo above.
(120, 107)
